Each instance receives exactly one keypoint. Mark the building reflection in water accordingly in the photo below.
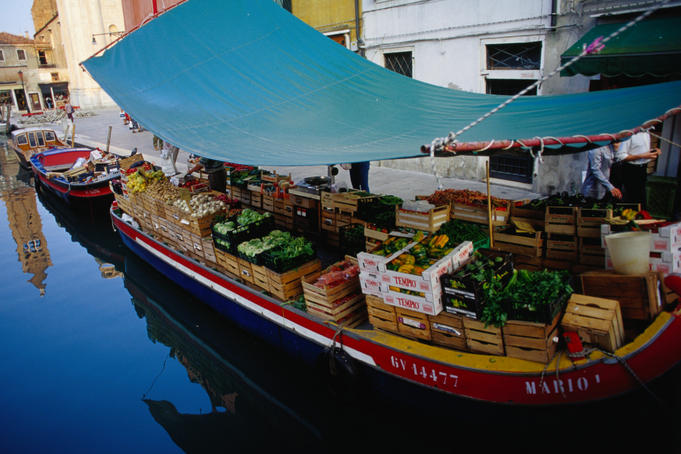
(24, 220)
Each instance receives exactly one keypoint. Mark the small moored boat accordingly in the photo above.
(28, 141)
(76, 173)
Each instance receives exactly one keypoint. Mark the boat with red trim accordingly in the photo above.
(76, 173)
(26, 142)
(393, 363)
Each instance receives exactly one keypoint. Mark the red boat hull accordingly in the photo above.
(584, 381)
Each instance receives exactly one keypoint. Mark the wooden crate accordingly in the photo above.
(381, 316)
(561, 247)
(412, 324)
(327, 295)
(268, 203)
(348, 202)
(482, 339)
(260, 277)
(597, 321)
(375, 234)
(589, 221)
(245, 270)
(561, 220)
(429, 222)
(528, 213)
(532, 246)
(227, 262)
(287, 285)
(283, 207)
(480, 214)
(256, 199)
(638, 295)
(128, 161)
(349, 310)
(448, 330)
(591, 252)
(531, 341)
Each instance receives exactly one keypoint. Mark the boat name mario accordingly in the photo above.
(557, 385)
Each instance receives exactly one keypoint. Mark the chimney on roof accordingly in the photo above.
(26, 34)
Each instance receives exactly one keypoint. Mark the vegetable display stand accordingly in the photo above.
(561, 220)
(638, 295)
(287, 285)
(531, 340)
(589, 221)
(448, 330)
(413, 324)
(427, 221)
(483, 339)
(381, 316)
(480, 215)
(597, 321)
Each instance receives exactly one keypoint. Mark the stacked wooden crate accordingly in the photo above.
(589, 221)
(561, 235)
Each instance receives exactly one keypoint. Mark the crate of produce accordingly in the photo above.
(381, 316)
(597, 321)
(287, 285)
(480, 214)
(290, 254)
(412, 324)
(334, 282)
(283, 207)
(638, 295)
(227, 262)
(532, 341)
(348, 311)
(520, 239)
(459, 231)
(371, 284)
(351, 239)
(462, 289)
(482, 338)
(374, 261)
(379, 211)
(128, 161)
(447, 330)
(348, 202)
(538, 296)
(561, 220)
(374, 233)
(429, 221)
(412, 269)
(425, 303)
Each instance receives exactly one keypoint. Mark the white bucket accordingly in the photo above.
(630, 252)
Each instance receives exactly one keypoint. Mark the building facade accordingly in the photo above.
(492, 47)
(19, 73)
(340, 20)
(52, 68)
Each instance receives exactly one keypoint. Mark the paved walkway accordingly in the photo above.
(93, 130)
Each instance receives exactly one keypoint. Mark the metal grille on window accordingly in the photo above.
(400, 62)
(514, 56)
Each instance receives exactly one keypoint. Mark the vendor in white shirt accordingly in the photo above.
(635, 154)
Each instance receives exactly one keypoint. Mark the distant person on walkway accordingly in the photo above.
(217, 175)
(597, 185)
(359, 175)
(635, 154)
(68, 108)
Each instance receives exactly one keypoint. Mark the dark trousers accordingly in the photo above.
(634, 179)
(217, 180)
(359, 175)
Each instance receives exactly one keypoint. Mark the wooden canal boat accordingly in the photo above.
(72, 174)
(26, 142)
(392, 363)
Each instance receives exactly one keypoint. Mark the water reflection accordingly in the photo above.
(24, 220)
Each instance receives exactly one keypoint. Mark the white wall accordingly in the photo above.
(80, 19)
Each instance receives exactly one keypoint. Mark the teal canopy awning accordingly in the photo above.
(651, 47)
(245, 81)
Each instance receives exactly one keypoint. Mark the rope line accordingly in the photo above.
(596, 46)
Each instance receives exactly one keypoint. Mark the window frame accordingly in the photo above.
(2, 56)
(530, 75)
(400, 50)
(23, 52)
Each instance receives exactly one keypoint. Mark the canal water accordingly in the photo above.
(102, 354)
